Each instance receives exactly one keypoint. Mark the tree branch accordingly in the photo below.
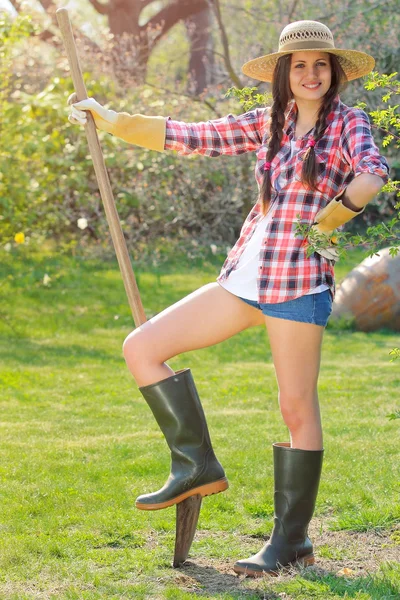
(215, 6)
(52, 37)
(102, 9)
(385, 131)
(168, 16)
(144, 3)
(254, 14)
(355, 14)
(48, 6)
(192, 98)
(49, 37)
(16, 5)
(292, 9)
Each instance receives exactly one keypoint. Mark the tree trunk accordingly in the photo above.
(134, 42)
(130, 53)
(198, 29)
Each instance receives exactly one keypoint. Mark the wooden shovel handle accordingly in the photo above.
(103, 180)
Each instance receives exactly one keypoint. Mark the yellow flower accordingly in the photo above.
(19, 238)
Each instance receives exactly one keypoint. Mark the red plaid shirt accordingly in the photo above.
(346, 150)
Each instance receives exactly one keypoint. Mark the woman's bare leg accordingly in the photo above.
(206, 317)
(296, 352)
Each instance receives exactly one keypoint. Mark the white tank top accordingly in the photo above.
(242, 281)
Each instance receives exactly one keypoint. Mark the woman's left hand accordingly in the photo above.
(323, 242)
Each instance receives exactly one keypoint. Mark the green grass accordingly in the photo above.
(78, 444)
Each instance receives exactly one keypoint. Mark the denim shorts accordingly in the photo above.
(313, 308)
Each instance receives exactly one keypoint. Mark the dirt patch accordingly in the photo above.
(360, 552)
(341, 553)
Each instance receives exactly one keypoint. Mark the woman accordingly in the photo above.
(317, 162)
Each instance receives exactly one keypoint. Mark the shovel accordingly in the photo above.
(187, 511)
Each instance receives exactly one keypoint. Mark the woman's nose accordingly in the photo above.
(311, 71)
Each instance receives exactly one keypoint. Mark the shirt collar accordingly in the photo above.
(291, 115)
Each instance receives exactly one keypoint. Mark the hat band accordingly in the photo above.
(306, 45)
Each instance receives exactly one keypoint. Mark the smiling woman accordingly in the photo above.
(317, 163)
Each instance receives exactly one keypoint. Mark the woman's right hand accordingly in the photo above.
(147, 132)
(104, 119)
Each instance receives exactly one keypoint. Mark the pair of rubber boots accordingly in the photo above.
(195, 470)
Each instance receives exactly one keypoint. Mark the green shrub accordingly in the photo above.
(166, 203)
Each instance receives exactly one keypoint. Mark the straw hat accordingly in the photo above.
(309, 36)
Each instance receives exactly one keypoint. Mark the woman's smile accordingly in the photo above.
(311, 86)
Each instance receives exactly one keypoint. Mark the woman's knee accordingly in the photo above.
(135, 350)
(298, 409)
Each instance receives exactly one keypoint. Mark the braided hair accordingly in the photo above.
(281, 95)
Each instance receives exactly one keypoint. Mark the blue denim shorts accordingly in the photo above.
(313, 308)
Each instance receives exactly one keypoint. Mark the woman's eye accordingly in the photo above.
(319, 64)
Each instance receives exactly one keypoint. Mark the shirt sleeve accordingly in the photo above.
(359, 147)
(229, 135)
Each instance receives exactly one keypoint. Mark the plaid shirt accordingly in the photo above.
(346, 150)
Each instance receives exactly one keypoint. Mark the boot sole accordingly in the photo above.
(203, 490)
(306, 561)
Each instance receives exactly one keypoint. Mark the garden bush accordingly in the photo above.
(48, 189)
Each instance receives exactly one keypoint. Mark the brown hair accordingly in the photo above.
(281, 95)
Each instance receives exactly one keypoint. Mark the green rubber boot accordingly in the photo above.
(297, 474)
(194, 467)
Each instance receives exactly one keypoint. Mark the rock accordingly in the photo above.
(370, 294)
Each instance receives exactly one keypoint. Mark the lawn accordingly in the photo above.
(78, 444)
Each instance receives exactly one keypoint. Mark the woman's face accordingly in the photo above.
(310, 75)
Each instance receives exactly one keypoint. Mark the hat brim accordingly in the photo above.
(355, 64)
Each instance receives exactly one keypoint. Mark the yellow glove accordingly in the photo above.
(330, 218)
(148, 132)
